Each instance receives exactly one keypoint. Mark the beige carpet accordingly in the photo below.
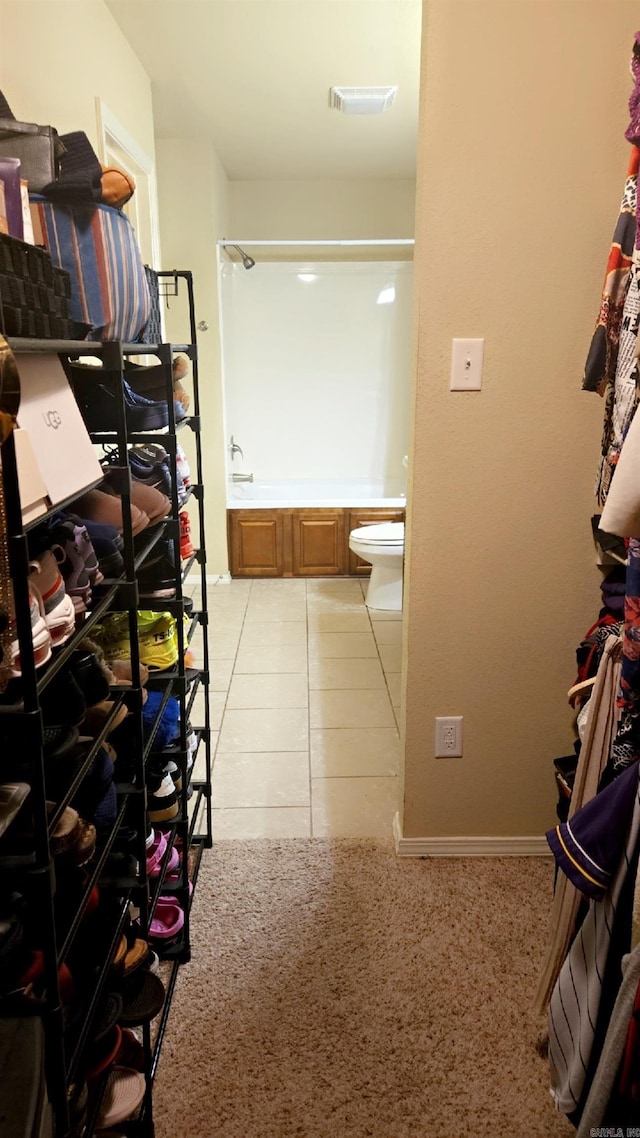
(337, 992)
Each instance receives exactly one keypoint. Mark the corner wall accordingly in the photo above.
(521, 166)
(56, 56)
(334, 208)
(193, 197)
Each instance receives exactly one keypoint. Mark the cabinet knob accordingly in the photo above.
(203, 325)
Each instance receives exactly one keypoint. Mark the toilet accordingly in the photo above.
(383, 547)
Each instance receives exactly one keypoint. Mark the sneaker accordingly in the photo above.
(162, 799)
(183, 465)
(186, 547)
(153, 460)
(107, 543)
(40, 635)
(45, 580)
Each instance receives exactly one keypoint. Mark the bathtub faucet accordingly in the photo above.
(242, 477)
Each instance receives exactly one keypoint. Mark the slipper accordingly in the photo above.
(168, 920)
(97, 716)
(124, 1092)
(172, 866)
(156, 853)
(103, 1054)
(137, 954)
(131, 1053)
(142, 998)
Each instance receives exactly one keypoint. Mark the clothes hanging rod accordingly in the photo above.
(379, 241)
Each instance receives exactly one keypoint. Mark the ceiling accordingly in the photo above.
(254, 76)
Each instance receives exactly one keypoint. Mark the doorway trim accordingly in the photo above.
(112, 135)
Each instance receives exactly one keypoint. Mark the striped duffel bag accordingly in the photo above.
(97, 246)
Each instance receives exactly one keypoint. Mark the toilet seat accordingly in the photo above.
(383, 533)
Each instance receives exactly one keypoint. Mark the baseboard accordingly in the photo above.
(533, 846)
(210, 578)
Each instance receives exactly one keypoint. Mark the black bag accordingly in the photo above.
(38, 147)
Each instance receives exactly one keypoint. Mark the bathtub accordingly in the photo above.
(325, 494)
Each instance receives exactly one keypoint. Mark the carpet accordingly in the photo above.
(336, 991)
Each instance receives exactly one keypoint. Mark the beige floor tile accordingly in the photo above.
(348, 673)
(319, 605)
(353, 807)
(278, 658)
(223, 647)
(279, 778)
(339, 622)
(220, 672)
(268, 633)
(200, 768)
(387, 631)
(355, 751)
(391, 656)
(340, 645)
(272, 822)
(217, 701)
(267, 729)
(350, 709)
(394, 684)
(276, 608)
(273, 690)
(333, 587)
(279, 586)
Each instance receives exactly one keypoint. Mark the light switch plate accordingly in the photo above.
(466, 365)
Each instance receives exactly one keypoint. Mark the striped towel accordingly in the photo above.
(97, 246)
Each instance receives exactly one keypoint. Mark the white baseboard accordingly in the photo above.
(533, 846)
(210, 578)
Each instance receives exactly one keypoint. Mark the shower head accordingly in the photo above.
(247, 261)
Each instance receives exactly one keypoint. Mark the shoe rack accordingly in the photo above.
(34, 874)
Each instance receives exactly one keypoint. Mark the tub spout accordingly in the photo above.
(242, 477)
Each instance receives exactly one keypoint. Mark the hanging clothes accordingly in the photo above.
(598, 851)
(600, 368)
(594, 753)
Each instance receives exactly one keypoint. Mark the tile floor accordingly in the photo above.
(305, 694)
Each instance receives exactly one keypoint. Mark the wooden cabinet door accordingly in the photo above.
(364, 517)
(255, 543)
(319, 546)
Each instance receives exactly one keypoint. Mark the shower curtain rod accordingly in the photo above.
(380, 241)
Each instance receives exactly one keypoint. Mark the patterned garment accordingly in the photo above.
(598, 851)
(626, 745)
(621, 401)
(600, 368)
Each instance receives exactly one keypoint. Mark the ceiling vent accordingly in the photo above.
(362, 100)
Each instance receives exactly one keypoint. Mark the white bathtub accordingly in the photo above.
(302, 493)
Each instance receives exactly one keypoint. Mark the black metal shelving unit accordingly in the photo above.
(35, 875)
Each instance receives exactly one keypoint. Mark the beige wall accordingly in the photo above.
(521, 166)
(193, 192)
(56, 56)
(321, 209)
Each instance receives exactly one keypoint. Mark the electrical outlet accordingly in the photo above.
(448, 736)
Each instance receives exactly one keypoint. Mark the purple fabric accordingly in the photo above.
(589, 846)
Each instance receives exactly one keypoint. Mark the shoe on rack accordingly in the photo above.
(12, 795)
(186, 548)
(98, 506)
(69, 551)
(40, 635)
(123, 1095)
(98, 404)
(183, 465)
(150, 463)
(162, 799)
(46, 581)
(98, 544)
(147, 499)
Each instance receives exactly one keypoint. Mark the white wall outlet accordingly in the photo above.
(448, 736)
(466, 365)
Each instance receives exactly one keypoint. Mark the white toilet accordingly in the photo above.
(383, 547)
